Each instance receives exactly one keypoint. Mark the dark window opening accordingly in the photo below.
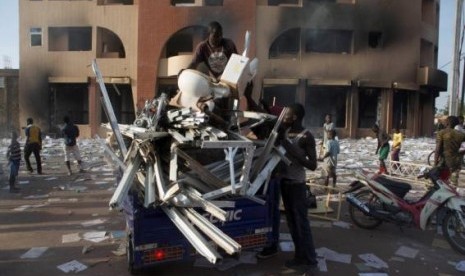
(213, 2)
(70, 38)
(328, 41)
(182, 2)
(122, 102)
(182, 42)
(375, 39)
(283, 2)
(68, 99)
(322, 100)
(280, 95)
(400, 108)
(286, 45)
(36, 36)
(109, 45)
(368, 108)
(115, 2)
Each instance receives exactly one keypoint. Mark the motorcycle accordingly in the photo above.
(375, 198)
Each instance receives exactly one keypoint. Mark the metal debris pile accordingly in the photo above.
(178, 161)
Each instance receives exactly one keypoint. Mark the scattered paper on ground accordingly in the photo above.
(118, 234)
(93, 222)
(24, 207)
(373, 261)
(342, 224)
(22, 182)
(67, 238)
(407, 252)
(34, 252)
(50, 178)
(287, 246)
(95, 236)
(285, 237)
(36, 196)
(322, 265)
(73, 266)
(334, 256)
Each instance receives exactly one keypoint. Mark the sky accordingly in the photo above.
(9, 39)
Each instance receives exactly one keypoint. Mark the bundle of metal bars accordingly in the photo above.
(160, 164)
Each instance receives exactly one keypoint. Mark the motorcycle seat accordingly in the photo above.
(398, 188)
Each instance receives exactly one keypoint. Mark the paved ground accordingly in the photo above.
(72, 200)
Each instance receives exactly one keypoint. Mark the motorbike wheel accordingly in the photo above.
(454, 231)
(361, 219)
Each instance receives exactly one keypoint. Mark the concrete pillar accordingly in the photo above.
(352, 112)
(94, 106)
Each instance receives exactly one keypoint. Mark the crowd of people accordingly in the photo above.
(33, 145)
(288, 180)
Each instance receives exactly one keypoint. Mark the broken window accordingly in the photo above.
(322, 100)
(70, 38)
(109, 45)
(400, 107)
(71, 99)
(122, 102)
(286, 45)
(328, 41)
(368, 107)
(280, 95)
(36, 36)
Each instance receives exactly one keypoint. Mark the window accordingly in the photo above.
(36, 36)
(115, 2)
(121, 99)
(193, 3)
(109, 45)
(328, 41)
(368, 107)
(70, 38)
(280, 95)
(70, 99)
(322, 100)
(400, 109)
(286, 45)
(375, 39)
(284, 2)
(426, 53)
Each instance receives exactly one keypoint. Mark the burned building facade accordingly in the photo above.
(362, 61)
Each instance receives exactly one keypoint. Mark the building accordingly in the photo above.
(363, 61)
(9, 107)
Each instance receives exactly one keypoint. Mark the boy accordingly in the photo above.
(332, 150)
(382, 148)
(13, 155)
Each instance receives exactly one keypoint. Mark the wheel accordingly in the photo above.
(431, 158)
(454, 231)
(361, 219)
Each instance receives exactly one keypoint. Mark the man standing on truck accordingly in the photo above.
(215, 51)
(299, 144)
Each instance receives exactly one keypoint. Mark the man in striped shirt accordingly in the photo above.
(13, 155)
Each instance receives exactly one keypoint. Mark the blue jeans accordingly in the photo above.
(14, 168)
(293, 195)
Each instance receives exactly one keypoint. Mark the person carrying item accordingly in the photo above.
(13, 155)
(70, 133)
(397, 139)
(299, 144)
(33, 145)
(382, 147)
